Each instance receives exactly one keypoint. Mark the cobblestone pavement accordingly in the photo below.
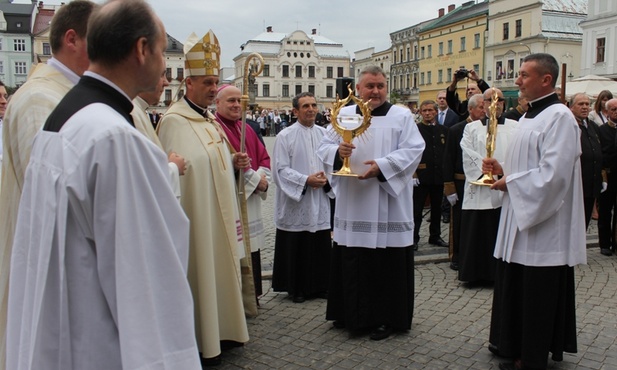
(450, 327)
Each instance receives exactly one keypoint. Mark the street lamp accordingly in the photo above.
(527, 46)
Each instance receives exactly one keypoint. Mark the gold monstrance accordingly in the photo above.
(491, 132)
(350, 126)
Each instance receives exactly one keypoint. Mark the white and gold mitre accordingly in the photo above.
(202, 55)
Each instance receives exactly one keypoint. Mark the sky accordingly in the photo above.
(356, 24)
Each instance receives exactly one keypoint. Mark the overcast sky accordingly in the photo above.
(356, 24)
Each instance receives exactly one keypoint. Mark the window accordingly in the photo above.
(510, 71)
(401, 51)
(256, 89)
(285, 91)
(429, 51)
(440, 76)
(180, 73)
(339, 71)
(46, 48)
(167, 96)
(19, 45)
(415, 52)
(476, 67)
(266, 70)
(1, 67)
(329, 92)
(422, 52)
(449, 46)
(408, 54)
(394, 57)
(499, 70)
(298, 89)
(0, 43)
(449, 75)
(311, 71)
(440, 47)
(463, 44)
(298, 71)
(421, 78)
(506, 31)
(20, 68)
(180, 93)
(476, 41)
(519, 28)
(168, 74)
(285, 71)
(600, 49)
(329, 72)
(429, 76)
(312, 89)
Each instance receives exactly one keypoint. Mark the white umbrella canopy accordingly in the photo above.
(590, 85)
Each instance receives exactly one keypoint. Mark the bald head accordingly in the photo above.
(228, 103)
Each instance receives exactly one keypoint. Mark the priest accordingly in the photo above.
(302, 207)
(372, 280)
(210, 202)
(98, 271)
(541, 233)
(256, 177)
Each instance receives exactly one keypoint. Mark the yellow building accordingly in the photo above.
(455, 39)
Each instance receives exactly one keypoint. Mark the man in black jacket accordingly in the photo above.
(476, 86)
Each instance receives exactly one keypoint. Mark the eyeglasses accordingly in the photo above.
(498, 99)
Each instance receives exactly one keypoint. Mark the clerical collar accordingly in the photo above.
(538, 105)
(202, 111)
(97, 76)
(380, 111)
(66, 72)
(429, 123)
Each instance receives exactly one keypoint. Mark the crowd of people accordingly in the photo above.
(126, 246)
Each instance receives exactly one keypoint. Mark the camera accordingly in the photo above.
(461, 73)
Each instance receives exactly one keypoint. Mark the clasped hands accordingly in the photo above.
(345, 150)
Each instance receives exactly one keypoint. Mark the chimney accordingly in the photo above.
(451, 7)
(314, 31)
(441, 12)
(40, 5)
(269, 29)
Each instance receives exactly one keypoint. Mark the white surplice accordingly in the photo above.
(473, 146)
(98, 271)
(370, 213)
(297, 206)
(542, 218)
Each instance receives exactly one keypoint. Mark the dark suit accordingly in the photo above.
(430, 174)
(607, 203)
(591, 166)
(451, 118)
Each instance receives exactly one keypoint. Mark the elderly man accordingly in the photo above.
(607, 203)
(46, 86)
(372, 279)
(454, 176)
(209, 200)
(481, 206)
(591, 156)
(303, 242)
(541, 233)
(256, 177)
(477, 86)
(143, 124)
(93, 284)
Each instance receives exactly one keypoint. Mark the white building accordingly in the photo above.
(293, 63)
(15, 42)
(599, 56)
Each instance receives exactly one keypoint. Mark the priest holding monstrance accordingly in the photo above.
(372, 281)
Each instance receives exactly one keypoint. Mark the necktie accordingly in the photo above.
(441, 114)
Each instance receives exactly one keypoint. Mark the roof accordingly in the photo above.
(466, 11)
(566, 6)
(559, 25)
(42, 20)
(19, 9)
(174, 45)
(272, 42)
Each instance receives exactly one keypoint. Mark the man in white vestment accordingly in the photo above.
(302, 207)
(210, 202)
(541, 233)
(98, 270)
(29, 108)
(372, 279)
(481, 205)
(141, 118)
(256, 177)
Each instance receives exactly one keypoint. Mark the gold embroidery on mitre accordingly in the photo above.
(202, 56)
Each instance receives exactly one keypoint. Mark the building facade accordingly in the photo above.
(15, 42)
(405, 66)
(293, 63)
(599, 47)
(454, 39)
(368, 57)
(519, 28)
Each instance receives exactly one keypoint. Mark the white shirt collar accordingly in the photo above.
(66, 71)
